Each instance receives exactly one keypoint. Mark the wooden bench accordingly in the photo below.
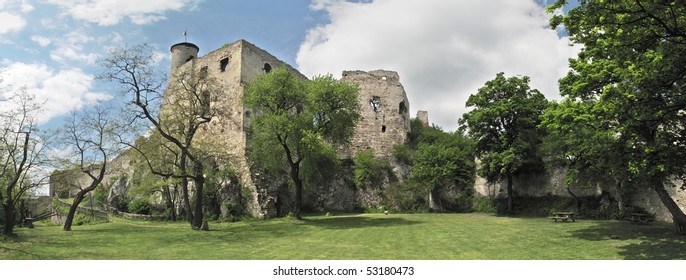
(563, 216)
(639, 219)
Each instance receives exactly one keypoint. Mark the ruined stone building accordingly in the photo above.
(384, 109)
(385, 122)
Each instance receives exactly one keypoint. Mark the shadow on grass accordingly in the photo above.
(358, 222)
(657, 241)
(13, 239)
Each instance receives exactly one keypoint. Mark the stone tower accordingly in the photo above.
(182, 53)
(384, 109)
(233, 66)
(423, 117)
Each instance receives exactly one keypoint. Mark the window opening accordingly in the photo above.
(267, 68)
(402, 109)
(223, 63)
(383, 128)
(375, 102)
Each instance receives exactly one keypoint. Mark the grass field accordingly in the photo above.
(353, 237)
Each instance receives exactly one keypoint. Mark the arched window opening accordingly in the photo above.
(402, 109)
(223, 64)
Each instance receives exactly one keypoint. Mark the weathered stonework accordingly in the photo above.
(552, 183)
(384, 110)
(385, 122)
(385, 119)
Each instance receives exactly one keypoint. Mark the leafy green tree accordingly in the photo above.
(443, 160)
(299, 118)
(589, 147)
(504, 123)
(154, 160)
(632, 66)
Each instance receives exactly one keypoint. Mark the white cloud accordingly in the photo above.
(41, 40)
(71, 47)
(111, 12)
(10, 22)
(26, 7)
(61, 90)
(442, 50)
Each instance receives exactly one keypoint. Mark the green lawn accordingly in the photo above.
(365, 236)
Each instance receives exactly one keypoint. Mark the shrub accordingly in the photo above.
(369, 170)
(139, 205)
(406, 198)
(403, 154)
(483, 204)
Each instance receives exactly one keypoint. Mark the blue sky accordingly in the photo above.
(442, 50)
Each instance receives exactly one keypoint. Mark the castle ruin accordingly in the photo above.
(384, 110)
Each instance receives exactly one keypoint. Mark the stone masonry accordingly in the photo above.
(385, 119)
(384, 110)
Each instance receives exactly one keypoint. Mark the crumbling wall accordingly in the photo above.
(551, 183)
(384, 110)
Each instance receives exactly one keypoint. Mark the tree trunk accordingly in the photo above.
(510, 193)
(295, 176)
(620, 197)
(184, 187)
(576, 199)
(10, 217)
(199, 184)
(22, 212)
(72, 210)
(435, 201)
(166, 193)
(186, 200)
(677, 215)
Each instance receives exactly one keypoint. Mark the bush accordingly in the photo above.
(139, 205)
(406, 198)
(403, 154)
(483, 204)
(370, 170)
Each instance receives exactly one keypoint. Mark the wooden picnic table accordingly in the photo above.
(563, 216)
(639, 218)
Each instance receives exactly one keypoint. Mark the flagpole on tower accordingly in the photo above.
(185, 35)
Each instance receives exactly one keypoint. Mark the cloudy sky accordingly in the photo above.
(443, 50)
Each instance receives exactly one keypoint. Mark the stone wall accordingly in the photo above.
(649, 200)
(551, 182)
(234, 66)
(384, 110)
(385, 123)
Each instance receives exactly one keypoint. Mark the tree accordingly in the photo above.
(22, 151)
(92, 136)
(300, 118)
(152, 153)
(445, 160)
(588, 146)
(632, 66)
(177, 115)
(504, 124)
